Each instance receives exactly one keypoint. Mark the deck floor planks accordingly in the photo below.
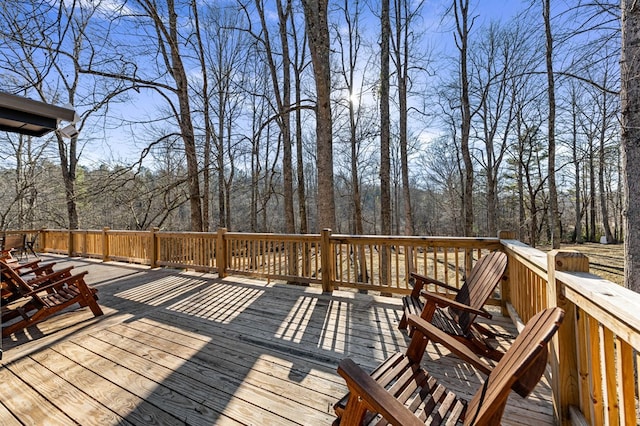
(263, 374)
(309, 372)
(70, 400)
(222, 383)
(272, 321)
(26, 403)
(134, 408)
(156, 393)
(148, 362)
(8, 419)
(175, 334)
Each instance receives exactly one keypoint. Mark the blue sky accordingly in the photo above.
(118, 144)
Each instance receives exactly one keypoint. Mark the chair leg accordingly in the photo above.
(403, 322)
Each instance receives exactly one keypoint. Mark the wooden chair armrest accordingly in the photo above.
(375, 397)
(421, 280)
(19, 266)
(435, 334)
(72, 279)
(444, 301)
(48, 277)
(38, 269)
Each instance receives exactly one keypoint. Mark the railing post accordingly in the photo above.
(221, 253)
(326, 260)
(70, 244)
(563, 349)
(85, 237)
(505, 284)
(153, 247)
(105, 244)
(42, 246)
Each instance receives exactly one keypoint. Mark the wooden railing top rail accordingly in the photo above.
(536, 260)
(451, 242)
(272, 236)
(180, 233)
(612, 305)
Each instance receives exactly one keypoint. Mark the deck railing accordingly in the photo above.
(594, 358)
(363, 262)
(595, 363)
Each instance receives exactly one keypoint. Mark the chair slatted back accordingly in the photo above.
(13, 279)
(525, 361)
(482, 280)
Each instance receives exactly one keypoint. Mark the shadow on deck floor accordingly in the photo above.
(179, 347)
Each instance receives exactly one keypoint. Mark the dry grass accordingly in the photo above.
(606, 260)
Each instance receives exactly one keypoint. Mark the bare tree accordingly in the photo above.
(225, 59)
(316, 18)
(607, 120)
(385, 141)
(463, 28)
(403, 43)
(280, 73)
(576, 156)
(349, 47)
(554, 216)
(300, 60)
(47, 54)
(630, 106)
(208, 131)
(159, 22)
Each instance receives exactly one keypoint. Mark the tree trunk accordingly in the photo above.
(207, 122)
(176, 69)
(630, 107)
(461, 10)
(300, 58)
(68, 163)
(554, 217)
(287, 153)
(220, 166)
(592, 191)
(385, 142)
(316, 18)
(282, 92)
(401, 51)
(604, 210)
(578, 238)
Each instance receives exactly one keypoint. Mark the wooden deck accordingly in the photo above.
(179, 347)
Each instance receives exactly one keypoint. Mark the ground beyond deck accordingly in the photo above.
(179, 347)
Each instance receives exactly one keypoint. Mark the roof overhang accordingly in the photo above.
(29, 117)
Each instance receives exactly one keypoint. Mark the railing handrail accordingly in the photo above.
(614, 306)
(536, 259)
(597, 345)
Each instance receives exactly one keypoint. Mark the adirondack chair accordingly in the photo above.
(400, 387)
(34, 274)
(457, 316)
(36, 303)
(15, 242)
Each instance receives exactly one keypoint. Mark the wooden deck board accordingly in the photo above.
(179, 347)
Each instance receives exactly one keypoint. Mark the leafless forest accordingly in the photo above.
(431, 118)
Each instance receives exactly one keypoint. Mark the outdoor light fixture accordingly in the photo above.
(69, 131)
